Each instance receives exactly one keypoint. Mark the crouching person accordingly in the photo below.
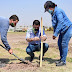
(33, 36)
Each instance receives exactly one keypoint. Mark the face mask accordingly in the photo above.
(12, 24)
(50, 11)
(36, 29)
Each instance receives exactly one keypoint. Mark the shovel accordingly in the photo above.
(15, 55)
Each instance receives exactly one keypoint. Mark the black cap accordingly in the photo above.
(47, 5)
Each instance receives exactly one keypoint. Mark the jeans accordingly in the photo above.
(32, 48)
(63, 42)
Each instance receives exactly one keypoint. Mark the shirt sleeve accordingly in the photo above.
(28, 34)
(4, 38)
(60, 23)
(43, 33)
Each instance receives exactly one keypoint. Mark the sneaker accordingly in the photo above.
(32, 57)
(61, 63)
(58, 61)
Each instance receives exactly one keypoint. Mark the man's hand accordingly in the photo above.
(10, 51)
(33, 39)
(53, 37)
(43, 38)
(36, 38)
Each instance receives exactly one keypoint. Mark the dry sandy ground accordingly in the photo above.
(17, 40)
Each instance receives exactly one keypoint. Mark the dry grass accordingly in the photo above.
(18, 43)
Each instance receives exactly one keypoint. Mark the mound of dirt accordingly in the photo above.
(21, 66)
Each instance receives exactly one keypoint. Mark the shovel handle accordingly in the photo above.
(15, 55)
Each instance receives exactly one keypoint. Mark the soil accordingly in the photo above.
(16, 40)
(20, 66)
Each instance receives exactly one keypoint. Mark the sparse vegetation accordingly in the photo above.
(19, 44)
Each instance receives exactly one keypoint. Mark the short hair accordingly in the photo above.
(14, 17)
(36, 22)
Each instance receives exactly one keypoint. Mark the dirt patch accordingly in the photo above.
(21, 66)
(18, 43)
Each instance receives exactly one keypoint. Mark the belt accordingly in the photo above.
(34, 44)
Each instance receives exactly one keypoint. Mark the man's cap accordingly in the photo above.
(47, 5)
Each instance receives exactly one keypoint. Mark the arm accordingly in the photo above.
(31, 39)
(4, 40)
(59, 25)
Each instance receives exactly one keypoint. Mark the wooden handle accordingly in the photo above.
(41, 43)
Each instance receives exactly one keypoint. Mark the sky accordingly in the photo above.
(30, 10)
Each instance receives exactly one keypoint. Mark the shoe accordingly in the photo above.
(42, 58)
(61, 63)
(32, 57)
(58, 61)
